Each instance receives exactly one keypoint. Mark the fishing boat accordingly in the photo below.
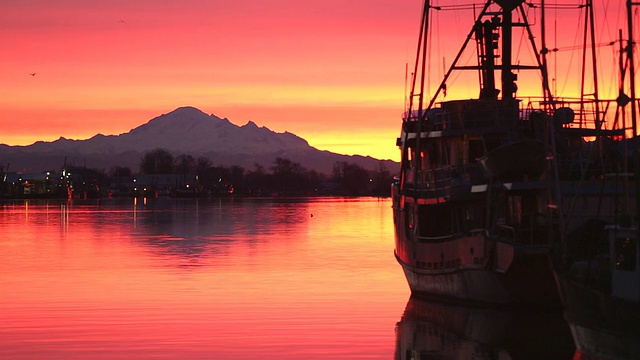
(596, 262)
(470, 205)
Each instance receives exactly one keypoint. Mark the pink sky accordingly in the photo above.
(330, 71)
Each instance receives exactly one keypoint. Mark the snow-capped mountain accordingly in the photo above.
(186, 130)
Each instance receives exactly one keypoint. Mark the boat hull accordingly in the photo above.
(462, 285)
(474, 268)
(601, 325)
(527, 283)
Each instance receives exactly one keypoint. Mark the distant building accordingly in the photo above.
(33, 185)
(164, 184)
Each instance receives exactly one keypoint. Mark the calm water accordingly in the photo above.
(231, 279)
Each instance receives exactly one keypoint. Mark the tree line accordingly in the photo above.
(283, 177)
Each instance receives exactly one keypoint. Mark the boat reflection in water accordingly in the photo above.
(436, 330)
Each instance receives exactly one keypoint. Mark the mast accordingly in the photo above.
(421, 61)
(508, 77)
(632, 84)
(549, 104)
(546, 90)
(420, 53)
(632, 74)
(620, 113)
(486, 34)
(592, 34)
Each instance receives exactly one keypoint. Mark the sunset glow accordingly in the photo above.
(332, 72)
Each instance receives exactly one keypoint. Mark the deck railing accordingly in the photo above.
(444, 180)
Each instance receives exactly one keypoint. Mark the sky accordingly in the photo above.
(330, 71)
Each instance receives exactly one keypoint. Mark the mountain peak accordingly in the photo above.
(186, 111)
(190, 130)
(250, 124)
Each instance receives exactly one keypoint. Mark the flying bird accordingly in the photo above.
(33, 74)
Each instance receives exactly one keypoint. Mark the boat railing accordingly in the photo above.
(532, 230)
(429, 183)
(465, 114)
(473, 114)
(584, 113)
(585, 117)
(443, 238)
(436, 239)
(446, 179)
(506, 232)
(479, 231)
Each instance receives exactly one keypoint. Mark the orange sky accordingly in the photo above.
(330, 71)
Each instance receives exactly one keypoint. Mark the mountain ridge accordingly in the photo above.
(185, 130)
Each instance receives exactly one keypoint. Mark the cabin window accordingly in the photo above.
(465, 220)
(410, 217)
(626, 254)
(434, 154)
(438, 153)
(515, 210)
(410, 157)
(423, 159)
(407, 175)
(435, 221)
(446, 150)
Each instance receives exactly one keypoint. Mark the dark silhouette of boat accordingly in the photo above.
(596, 262)
(471, 202)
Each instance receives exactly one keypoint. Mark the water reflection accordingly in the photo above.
(598, 338)
(436, 330)
(189, 230)
(185, 279)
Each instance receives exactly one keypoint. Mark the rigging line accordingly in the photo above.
(575, 41)
(605, 22)
(455, 61)
(555, 6)
(433, 17)
(555, 58)
(574, 7)
(458, 7)
(541, 62)
(475, 5)
(417, 61)
(581, 47)
(439, 46)
(520, 42)
(611, 87)
(523, 34)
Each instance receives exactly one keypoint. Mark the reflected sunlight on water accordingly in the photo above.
(233, 278)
